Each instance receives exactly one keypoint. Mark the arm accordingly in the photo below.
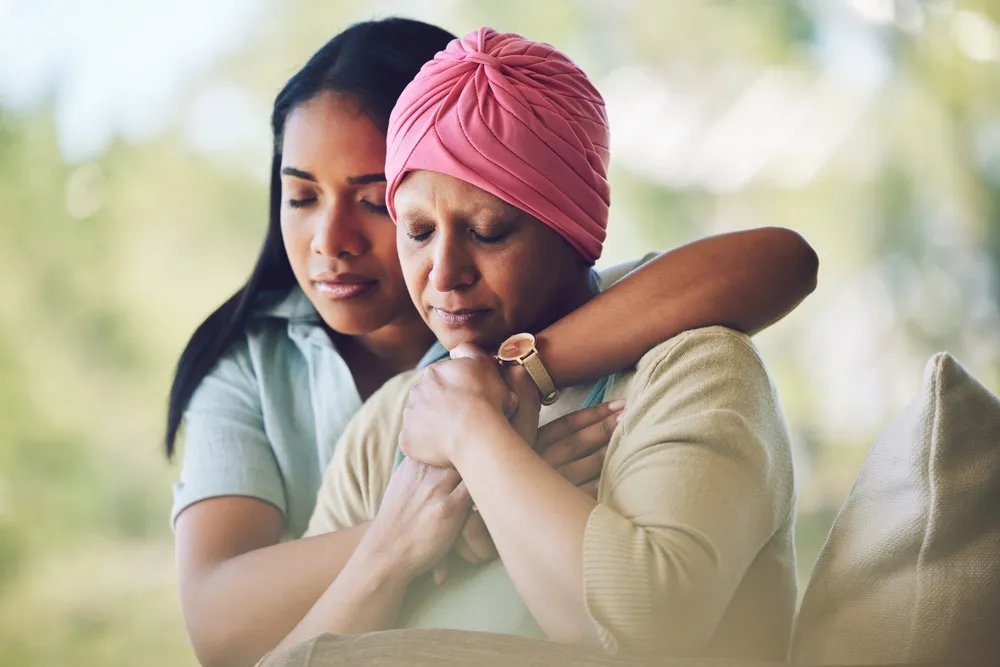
(241, 590)
(743, 280)
(418, 520)
(696, 482)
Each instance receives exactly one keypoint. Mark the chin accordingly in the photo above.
(351, 324)
(488, 341)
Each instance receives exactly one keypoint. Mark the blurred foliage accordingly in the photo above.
(107, 266)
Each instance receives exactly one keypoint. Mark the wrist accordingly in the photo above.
(383, 564)
(487, 429)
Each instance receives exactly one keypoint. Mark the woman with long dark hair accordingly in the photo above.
(269, 381)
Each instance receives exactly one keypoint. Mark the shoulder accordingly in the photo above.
(373, 432)
(710, 350)
(612, 274)
(390, 399)
(356, 477)
(708, 382)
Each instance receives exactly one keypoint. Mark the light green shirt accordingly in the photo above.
(264, 422)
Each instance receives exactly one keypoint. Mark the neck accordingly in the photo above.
(398, 346)
(579, 293)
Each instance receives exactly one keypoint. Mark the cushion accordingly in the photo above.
(456, 648)
(911, 569)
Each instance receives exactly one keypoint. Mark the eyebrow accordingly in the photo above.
(364, 179)
(298, 173)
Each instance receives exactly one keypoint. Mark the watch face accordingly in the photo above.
(516, 347)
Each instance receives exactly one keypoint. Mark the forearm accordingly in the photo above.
(241, 608)
(537, 520)
(365, 597)
(744, 280)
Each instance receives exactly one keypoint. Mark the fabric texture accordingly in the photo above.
(264, 421)
(453, 648)
(515, 118)
(911, 569)
(689, 550)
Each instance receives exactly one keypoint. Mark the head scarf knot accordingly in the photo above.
(515, 118)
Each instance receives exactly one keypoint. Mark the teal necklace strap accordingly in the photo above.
(598, 394)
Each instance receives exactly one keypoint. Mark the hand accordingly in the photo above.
(575, 445)
(421, 513)
(527, 400)
(450, 401)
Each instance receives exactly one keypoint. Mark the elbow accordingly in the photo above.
(801, 259)
(210, 649)
(215, 644)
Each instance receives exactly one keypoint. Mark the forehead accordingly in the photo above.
(423, 191)
(329, 132)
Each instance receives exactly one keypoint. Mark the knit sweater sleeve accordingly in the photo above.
(696, 482)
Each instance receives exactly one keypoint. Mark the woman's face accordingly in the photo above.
(477, 268)
(336, 230)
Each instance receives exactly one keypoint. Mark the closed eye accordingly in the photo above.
(301, 203)
(488, 239)
(374, 208)
(420, 236)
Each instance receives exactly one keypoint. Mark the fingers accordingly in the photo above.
(582, 443)
(468, 351)
(518, 379)
(510, 405)
(465, 552)
(460, 495)
(440, 572)
(567, 425)
(476, 538)
(585, 469)
(525, 418)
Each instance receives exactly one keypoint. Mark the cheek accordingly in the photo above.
(296, 242)
(382, 239)
(413, 264)
(510, 277)
(527, 290)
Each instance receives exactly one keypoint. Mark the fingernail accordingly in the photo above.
(616, 405)
(620, 417)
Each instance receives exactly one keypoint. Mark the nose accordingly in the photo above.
(337, 234)
(453, 266)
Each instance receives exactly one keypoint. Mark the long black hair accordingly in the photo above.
(370, 62)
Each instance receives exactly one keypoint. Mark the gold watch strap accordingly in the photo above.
(536, 369)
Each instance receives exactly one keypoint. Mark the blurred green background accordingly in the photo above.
(134, 148)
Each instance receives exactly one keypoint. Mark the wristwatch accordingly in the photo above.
(520, 349)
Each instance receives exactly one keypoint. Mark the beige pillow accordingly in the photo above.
(911, 569)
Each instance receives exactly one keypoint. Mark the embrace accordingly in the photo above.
(426, 409)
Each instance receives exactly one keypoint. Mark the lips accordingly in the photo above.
(459, 318)
(343, 286)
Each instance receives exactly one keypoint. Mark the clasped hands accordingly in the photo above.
(426, 510)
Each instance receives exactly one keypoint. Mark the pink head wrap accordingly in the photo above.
(515, 118)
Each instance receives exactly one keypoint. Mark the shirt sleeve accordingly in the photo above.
(700, 480)
(613, 274)
(226, 451)
(358, 474)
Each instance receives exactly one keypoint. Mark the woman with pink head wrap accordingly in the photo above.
(517, 119)
(496, 176)
(520, 135)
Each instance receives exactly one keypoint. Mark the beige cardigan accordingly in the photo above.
(689, 550)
